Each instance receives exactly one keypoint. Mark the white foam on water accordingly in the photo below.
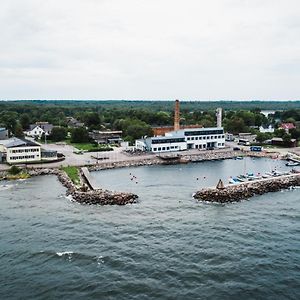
(64, 253)
(70, 198)
(6, 187)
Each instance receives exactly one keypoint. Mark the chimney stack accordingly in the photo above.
(219, 117)
(177, 116)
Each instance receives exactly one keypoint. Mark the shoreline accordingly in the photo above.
(246, 190)
(82, 194)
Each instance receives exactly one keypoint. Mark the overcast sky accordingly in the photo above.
(150, 49)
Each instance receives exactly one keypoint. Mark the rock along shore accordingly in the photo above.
(101, 197)
(155, 160)
(104, 197)
(232, 193)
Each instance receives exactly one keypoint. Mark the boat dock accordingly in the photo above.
(90, 180)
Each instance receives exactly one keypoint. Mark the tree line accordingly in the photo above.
(135, 122)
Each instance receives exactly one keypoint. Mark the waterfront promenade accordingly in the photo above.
(118, 156)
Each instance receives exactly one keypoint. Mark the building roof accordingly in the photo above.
(278, 139)
(287, 126)
(44, 126)
(33, 126)
(74, 122)
(200, 129)
(18, 142)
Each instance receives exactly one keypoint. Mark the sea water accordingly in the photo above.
(166, 246)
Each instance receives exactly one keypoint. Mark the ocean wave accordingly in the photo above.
(64, 253)
(71, 255)
(6, 187)
(70, 198)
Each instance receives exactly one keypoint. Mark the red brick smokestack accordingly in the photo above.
(177, 116)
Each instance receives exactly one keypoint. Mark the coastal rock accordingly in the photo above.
(246, 190)
(84, 196)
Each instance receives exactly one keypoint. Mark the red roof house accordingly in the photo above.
(287, 126)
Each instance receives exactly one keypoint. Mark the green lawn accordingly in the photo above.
(91, 147)
(72, 172)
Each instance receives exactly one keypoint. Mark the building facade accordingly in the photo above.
(106, 137)
(193, 138)
(39, 128)
(17, 150)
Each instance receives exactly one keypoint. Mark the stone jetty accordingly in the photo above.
(245, 190)
(85, 196)
(85, 193)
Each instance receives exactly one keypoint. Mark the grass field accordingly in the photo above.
(72, 172)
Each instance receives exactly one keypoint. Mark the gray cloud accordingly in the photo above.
(138, 49)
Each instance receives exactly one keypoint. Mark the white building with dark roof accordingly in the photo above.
(16, 150)
(39, 128)
(190, 138)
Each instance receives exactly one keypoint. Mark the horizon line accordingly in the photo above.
(155, 100)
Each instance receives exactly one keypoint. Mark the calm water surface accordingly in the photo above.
(167, 246)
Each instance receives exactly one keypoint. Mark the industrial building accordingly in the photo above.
(194, 138)
(183, 139)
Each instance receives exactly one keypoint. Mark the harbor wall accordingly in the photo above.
(185, 158)
(237, 192)
(84, 196)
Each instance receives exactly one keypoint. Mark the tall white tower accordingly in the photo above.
(219, 116)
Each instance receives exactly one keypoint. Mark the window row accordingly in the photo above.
(204, 132)
(24, 150)
(24, 157)
(196, 138)
(165, 148)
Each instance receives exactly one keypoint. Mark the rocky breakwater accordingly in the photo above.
(83, 195)
(242, 191)
(104, 197)
(125, 164)
(208, 155)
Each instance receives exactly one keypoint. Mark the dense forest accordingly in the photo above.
(162, 105)
(135, 118)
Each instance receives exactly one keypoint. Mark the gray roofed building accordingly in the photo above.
(3, 133)
(18, 142)
(17, 150)
(45, 126)
(72, 122)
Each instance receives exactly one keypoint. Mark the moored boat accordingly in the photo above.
(292, 164)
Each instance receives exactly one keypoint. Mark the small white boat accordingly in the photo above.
(239, 157)
(292, 164)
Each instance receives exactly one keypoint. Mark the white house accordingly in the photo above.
(39, 128)
(269, 129)
(17, 150)
(190, 138)
(36, 131)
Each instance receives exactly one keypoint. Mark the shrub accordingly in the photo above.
(14, 170)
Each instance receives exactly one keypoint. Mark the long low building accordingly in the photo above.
(17, 150)
(20, 150)
(192, 138)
